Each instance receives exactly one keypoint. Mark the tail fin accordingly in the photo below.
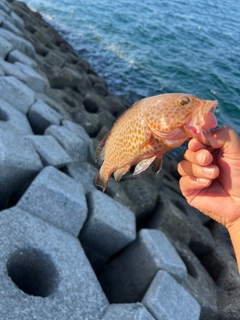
(101, 181)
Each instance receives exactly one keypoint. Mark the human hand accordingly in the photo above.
(211, 176)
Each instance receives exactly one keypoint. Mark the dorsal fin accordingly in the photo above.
(100, 151)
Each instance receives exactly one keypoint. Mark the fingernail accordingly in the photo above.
(208, 171)
(201, 158)
(202, 180)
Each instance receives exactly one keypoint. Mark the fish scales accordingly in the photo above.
(150, 128)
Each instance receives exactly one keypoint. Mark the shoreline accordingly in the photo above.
(111, 255)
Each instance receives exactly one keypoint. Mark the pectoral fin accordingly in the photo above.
(143, 165)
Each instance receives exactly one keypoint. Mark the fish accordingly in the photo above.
(150, 128)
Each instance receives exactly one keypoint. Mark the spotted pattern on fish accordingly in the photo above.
(147, 130)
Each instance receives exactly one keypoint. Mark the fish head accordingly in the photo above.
(181, 116)
(201, 118)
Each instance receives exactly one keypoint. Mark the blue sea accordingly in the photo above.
(144, 48)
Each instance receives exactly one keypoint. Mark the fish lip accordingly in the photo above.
(197, 115)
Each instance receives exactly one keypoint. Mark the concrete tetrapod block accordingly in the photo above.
(84, 173)
(168, 300)
(23, 96)
(4, 16)
(19, 163)
(11, 69)
(13, 117)
(5, 6)
(79, 131)
(50, 151)
(171, 219)
(75, 145)
(19, 43)
(8, 25)
(199, 283)
(126, 278)
(57, 199)
(41, 116)
(17, 20)
(131, 311)
(35, 80)
(109, 227)
(16, 56)
(44, 273)
(5, 47)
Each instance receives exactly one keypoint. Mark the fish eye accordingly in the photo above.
(183, 101)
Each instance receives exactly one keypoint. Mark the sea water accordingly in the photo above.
(144, 48)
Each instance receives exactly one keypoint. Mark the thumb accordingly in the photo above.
(226, 139)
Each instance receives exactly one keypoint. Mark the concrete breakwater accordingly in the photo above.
(68, 251)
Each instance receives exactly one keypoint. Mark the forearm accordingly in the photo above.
(234, 231)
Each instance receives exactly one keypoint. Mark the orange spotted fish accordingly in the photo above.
(150, 128)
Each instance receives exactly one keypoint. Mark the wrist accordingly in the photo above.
(234, 231)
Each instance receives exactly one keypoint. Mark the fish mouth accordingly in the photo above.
(201, 120)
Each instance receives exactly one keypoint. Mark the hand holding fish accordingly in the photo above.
(210, 179)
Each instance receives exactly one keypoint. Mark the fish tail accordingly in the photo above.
(102, 180)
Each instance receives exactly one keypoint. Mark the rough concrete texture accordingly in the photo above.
(35, 81)
(166, 299)
(44, 272)
(18, 56)
(5, 47)
(23, 96)
(11, 70)
(85, 174)
(76, 146)
(57, 199)
(18, 42)
(38, 66)
(19, 163)
(11, 117)
(127, 277)
(109, 227)
(41, 116)
(50, 151)
(131, 311)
